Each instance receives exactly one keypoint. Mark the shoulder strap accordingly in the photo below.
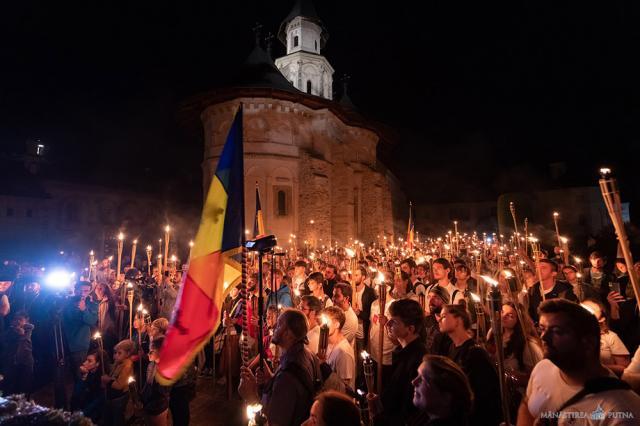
(453, 296)
(601, 384)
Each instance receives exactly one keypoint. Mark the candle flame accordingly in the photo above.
(191, 243)
(91, 253)
(564, 240)
(577, 259)
(140, 307)
(148, 248)
(173, 258)
(145, 312)
(167, 229)
(489, 280)
(507, 274)
(556, 214)
(97, 335)
(129, 285)
(110, 258)
(135, 242)
(350, 252)
(380, 278)
(131, 380)
(121, 236)
(365, 355)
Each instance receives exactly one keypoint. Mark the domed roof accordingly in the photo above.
(304, 9)
(258, 70)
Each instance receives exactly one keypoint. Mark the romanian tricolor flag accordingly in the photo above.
(215, 265)
(258, 224)
(410, 228)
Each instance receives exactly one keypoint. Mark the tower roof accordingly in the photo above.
(304, 9)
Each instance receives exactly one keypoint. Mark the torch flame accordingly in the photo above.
(365, 355)
(121, 236)
(148, 248)
(97, 335)
(167, 228)
(475, 297)
(324, 319)
(489, 280)
(140, 307)
(130, 380)
(350, 252)
(604, 171)
(252, 410)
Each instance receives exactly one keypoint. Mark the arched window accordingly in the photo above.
(282, 203)
(296, 40)
(316, 42)
(309, 86)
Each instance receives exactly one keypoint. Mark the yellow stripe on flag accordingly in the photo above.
(209, 238)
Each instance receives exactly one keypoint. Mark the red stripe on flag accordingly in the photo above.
(192, 326)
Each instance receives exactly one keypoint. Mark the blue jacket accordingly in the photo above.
(77, 324)
(284, 298)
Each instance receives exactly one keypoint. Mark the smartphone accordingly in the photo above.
(615, 286)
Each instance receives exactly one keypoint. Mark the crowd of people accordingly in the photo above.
(382, 337)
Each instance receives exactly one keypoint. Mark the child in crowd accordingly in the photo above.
(17, 356)
(155, 397)
(117, 383)
(88, 394)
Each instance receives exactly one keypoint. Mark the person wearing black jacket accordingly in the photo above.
(476, 364)
(155, 397)
(362, 300)
(552, 288)
(88, 394)
(406, 326)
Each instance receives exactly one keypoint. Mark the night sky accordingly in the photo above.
(483, 96)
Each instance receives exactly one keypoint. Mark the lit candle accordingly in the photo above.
(130, 299)
(167, 236)
(133, 252)
(120, 246)
(149, 249)
(323, 342)
(369, 377)
(97, 336)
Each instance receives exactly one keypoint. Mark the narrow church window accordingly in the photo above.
(295, 41)
(282, 203)
(309, 86)
(316, 42)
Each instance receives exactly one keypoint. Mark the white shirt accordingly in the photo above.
(547, 390)
(634, 366)
(610, 408)
(610, 345)
(313, 336)
(459, 294)
(342, 360)
(374, 331)
(350, 327)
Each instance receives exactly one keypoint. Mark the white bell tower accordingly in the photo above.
(304, 35)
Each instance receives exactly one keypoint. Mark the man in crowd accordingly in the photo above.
(571, 378)
(79, 316)
(342, 294)
(551, 287)
(442, 275)
(596, 275)
(361, 305)
(288, 394)
(581, 289)
(311, 308)
(330, 278)
(340, 356)
(475, 362)
(406, 327)
(282, 296)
